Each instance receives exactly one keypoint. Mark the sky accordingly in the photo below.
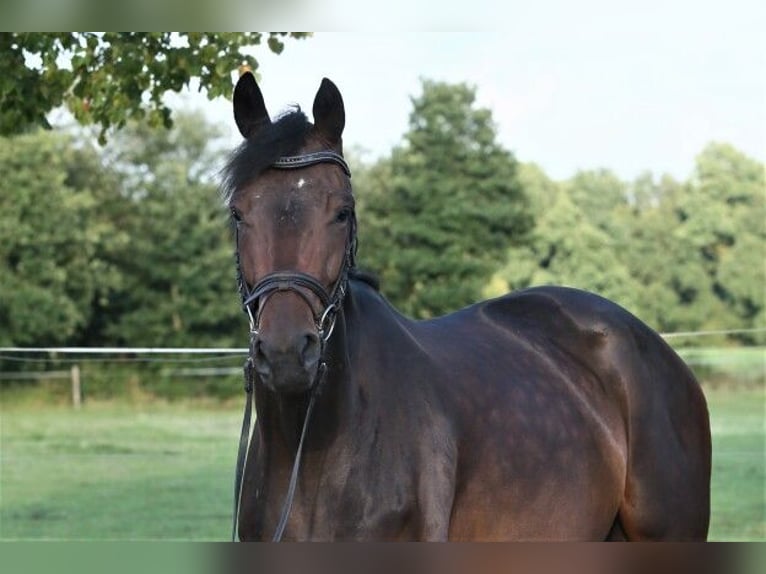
(571, 86)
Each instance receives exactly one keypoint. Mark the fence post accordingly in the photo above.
(76, 389)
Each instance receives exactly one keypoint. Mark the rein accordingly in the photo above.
(257, 297)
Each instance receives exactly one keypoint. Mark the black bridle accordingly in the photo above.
(297, 281)
(253, 302)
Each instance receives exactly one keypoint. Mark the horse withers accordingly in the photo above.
(547, 414)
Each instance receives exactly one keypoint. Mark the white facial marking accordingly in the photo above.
(301, 183)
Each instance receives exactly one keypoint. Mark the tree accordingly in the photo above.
(443, 210)
(566, 248)
(178, 284)
(111, 78)
(673, 290)
(49, 235)
(600, 195)
(683, 256)
(724, 219)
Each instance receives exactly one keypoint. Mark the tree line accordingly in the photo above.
(127, 243)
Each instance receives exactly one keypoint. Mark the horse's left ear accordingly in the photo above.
(329, 114)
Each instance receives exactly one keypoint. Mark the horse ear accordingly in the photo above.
(249, 107)
(329, 114)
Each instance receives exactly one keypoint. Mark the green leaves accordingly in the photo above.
(447, 209)
(127, 244)
(682, 256)
(275, 45)
(110, 78)
(45, 262)
(177, 283)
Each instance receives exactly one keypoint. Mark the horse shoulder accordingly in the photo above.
(400, 369)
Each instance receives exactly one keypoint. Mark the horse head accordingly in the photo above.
(288, 190)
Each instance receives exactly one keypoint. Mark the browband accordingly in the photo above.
(305, 160)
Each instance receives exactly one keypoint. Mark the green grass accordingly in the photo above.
(110, 472)
(165, 471)
(738, 490)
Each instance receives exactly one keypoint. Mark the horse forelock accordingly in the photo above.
(283, 137)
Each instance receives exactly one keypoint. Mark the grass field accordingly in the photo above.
(110, 472)
(166, 471)
(738, 488)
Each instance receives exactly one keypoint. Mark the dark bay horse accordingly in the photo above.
(550, 413)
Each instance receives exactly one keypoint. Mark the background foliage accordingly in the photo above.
(111, 78)
(127, 244)
(444, 208)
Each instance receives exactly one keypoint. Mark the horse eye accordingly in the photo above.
(236, 215)
(343, 215)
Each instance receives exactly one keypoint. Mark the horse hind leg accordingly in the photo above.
(667, 493)
(616, 534)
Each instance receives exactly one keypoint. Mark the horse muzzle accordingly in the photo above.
(287, 366)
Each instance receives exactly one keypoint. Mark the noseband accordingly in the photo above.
(254, 301)
(297, 282)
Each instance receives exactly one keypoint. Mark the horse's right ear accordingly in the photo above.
(249, 107)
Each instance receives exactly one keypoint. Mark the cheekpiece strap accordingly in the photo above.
(305, 160)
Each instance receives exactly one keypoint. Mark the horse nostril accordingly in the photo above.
(310, 351)
(261, 361)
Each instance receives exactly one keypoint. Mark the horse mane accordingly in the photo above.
(271, 140)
